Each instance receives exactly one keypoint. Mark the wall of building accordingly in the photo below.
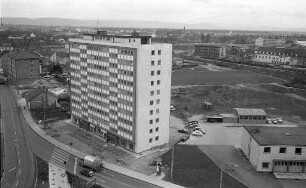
(144, 78)
(250, 119)
(250, 148)
(26, 71)
(274, 154)
(42, 100)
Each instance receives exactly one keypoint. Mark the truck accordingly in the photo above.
(92, 162)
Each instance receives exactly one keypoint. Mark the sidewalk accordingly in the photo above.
(27, 115)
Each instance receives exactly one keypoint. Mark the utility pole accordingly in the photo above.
(221, 175)
(171, 170)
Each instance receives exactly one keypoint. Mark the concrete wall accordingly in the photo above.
(250, 148)
(143, 80)
(27, 71)
(274, 154)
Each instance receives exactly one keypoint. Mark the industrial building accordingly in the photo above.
(120, 88)
(210, 51)
(275, 149)
(264, 42)
(250, 116)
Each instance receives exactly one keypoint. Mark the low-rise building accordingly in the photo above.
(264, 42)
(250, 116)
(21, 67)
(61, 58)
(280, 56)
(275, 149)
(5, 47)
(211, 51)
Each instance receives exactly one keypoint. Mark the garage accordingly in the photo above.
(229, 118)
(289, 166)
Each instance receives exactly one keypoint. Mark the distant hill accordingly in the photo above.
(105, 23)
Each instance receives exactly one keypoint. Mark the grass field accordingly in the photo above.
(192, 168)
(230, 77)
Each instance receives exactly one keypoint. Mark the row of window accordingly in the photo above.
(157, 92)
(157, 82)
(156, 130)
(157, 102)
(151, 139)
(153, 62)
(156, 111)
(297, 151)
(158, 52)
(156, 121)
(157, 72)
(253, 117)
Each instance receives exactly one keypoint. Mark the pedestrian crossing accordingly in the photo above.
(59, 158)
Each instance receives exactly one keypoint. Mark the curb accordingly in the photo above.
(79, 154)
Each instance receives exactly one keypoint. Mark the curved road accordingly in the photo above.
(20, 142)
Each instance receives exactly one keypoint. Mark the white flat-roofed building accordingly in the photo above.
(120, 88)
(275, 149)
(250, 115)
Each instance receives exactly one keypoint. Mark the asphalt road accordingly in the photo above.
(20, 142)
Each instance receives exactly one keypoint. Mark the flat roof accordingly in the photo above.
(228, 115)
(250, 111)
(267, 135)
(210, 44)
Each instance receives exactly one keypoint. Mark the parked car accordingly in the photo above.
(183, 131)
(192, 124)
(275, 121)
(87, 172)
(279, 120)
(172, 108)
(185, 138)
(268, 121)
(197, 133)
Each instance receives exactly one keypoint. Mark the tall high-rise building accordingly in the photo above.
(120, 88)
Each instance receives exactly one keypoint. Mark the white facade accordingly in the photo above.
(274, 58)
(121, 87)
(280, 158)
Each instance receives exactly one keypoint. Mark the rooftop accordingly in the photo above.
(267, 135)
(250, 111)
(19, 55)
(210, 44)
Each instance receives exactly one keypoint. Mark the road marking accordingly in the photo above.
(19, 161)
(12, 169)
(15, 133)
(19, 172)
(16, 182)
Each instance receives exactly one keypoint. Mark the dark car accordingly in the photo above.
(183, 131)
(87, 172)
(185, 138)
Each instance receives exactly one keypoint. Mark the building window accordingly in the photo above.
(158, 92)
(151, 112)
(152, 83)
(151, 93)
(157, 120)
(150, 140)
(157, 101)
(157, 111)
(156, 138)
(152, 73)
(298, 151)
(156, 129)
(265, 165)
(152, 63)
(158, 72)
(159, 52)
(282, 150)
(159, 62)
(151, 102)
(152, 52)
(267, 149)
(158, 82)
(151, 121)
(151, 130)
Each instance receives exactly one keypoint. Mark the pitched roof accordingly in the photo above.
(250, 111)
(33, 93)
(19, 55)
(267, 135)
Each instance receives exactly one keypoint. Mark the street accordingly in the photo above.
(20, 142)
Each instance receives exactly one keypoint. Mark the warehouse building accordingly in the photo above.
(211, 51)
(275, 149)
(250, 116)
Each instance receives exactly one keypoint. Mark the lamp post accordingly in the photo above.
(172, 161)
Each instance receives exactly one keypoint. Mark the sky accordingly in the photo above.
(228, 13)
